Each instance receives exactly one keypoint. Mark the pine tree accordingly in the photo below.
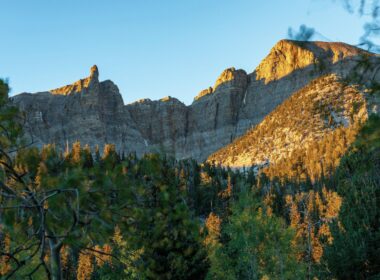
(354, 252)
(165, 230)
(259, 246)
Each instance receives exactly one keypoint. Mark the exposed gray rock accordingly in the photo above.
(94, 113)
(89, 111)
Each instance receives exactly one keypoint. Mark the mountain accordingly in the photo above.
(312, 73)
(324, 108)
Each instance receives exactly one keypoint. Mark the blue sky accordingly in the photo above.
(152, 48)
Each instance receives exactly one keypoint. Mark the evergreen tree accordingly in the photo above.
(258, 245)
(163, 227)
(355, 250)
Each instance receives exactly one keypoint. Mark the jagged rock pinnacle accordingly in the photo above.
(94, 72)
(79, 86)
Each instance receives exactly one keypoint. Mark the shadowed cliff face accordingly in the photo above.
(93, 112)
(88, 110)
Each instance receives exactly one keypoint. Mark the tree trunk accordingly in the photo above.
(55, 260)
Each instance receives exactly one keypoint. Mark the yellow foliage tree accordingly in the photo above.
(102, 254)
(85, 266)
(213, 225)
(310, 214)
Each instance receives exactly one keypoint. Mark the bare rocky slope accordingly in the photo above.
(93, 112)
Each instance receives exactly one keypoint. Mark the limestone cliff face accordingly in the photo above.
(94, 113)
(161, 123)
(213, 118)
(288, 56)
(89, 111)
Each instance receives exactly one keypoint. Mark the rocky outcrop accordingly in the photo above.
(162, 123)
(289, 56)
(94, 113)
(88, 110)
(204, 92)
(214, 117)
(84, 85)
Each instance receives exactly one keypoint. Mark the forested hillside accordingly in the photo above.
(308, 132)
(91, 214)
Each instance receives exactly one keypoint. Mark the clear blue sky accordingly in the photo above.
(152, 48)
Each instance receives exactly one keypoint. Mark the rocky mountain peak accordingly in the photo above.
(228, 76)
(94, 72)
(288, 56)
(82, 85)
(334, 51)
(231, 74)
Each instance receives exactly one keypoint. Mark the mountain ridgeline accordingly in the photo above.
(298, 94)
